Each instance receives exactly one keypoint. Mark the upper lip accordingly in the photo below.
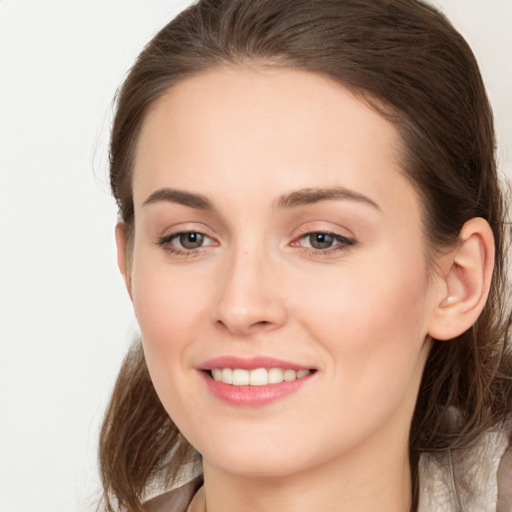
(250, 363)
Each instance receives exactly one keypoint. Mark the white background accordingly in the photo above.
(65, 320)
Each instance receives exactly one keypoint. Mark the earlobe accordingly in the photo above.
(121, 255)
(466, 273)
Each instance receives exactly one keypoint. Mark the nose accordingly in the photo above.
(249, 296)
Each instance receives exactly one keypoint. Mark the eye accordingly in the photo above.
(320, 240)
(190, 240)
(185, 241)
(324, 242)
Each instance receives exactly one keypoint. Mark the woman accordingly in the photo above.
(312, 235)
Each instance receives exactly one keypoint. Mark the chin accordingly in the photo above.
(262, 457)
(258, 467)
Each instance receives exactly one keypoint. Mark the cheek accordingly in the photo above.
(372, 328)
(168, 307)
(168, 311)
(165, 298)
(372, 320)
(160, 312)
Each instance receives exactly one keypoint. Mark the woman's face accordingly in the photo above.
(276, 236)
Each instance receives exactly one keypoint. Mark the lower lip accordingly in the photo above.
(253, 396)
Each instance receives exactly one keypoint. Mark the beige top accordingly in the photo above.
(476, 480)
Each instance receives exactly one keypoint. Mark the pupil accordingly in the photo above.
(321, 240)
(191, 240)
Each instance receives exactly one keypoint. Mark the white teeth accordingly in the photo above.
(302, 373)
(275, 375)
(289, 375)
(257, 377)
(240, 377)
(227, 375)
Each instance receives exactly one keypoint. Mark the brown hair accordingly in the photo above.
(405, 59)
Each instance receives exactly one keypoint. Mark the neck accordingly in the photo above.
(356, 483)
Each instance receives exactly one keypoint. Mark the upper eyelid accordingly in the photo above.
(185, 227)
(325, 231)
(313, 227)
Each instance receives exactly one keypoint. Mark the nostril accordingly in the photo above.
(261, 324)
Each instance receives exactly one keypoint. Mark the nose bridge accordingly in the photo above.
(249, 297)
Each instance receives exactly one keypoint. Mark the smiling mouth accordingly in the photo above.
(257, 377)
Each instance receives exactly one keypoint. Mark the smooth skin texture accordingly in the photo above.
(336, 281)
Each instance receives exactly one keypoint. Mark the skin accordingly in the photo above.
(359, 313)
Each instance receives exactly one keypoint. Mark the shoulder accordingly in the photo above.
(474, 479)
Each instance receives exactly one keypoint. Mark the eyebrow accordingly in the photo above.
(180, 197)
(302, 197)
(308, 196)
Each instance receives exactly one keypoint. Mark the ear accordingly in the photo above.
(122, 262)
(465, 274)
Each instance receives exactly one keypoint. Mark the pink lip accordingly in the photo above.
(251, 396)
(250, 363)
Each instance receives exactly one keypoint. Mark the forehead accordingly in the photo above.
(267, 130)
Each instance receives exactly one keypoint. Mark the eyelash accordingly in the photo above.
(343, 243)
